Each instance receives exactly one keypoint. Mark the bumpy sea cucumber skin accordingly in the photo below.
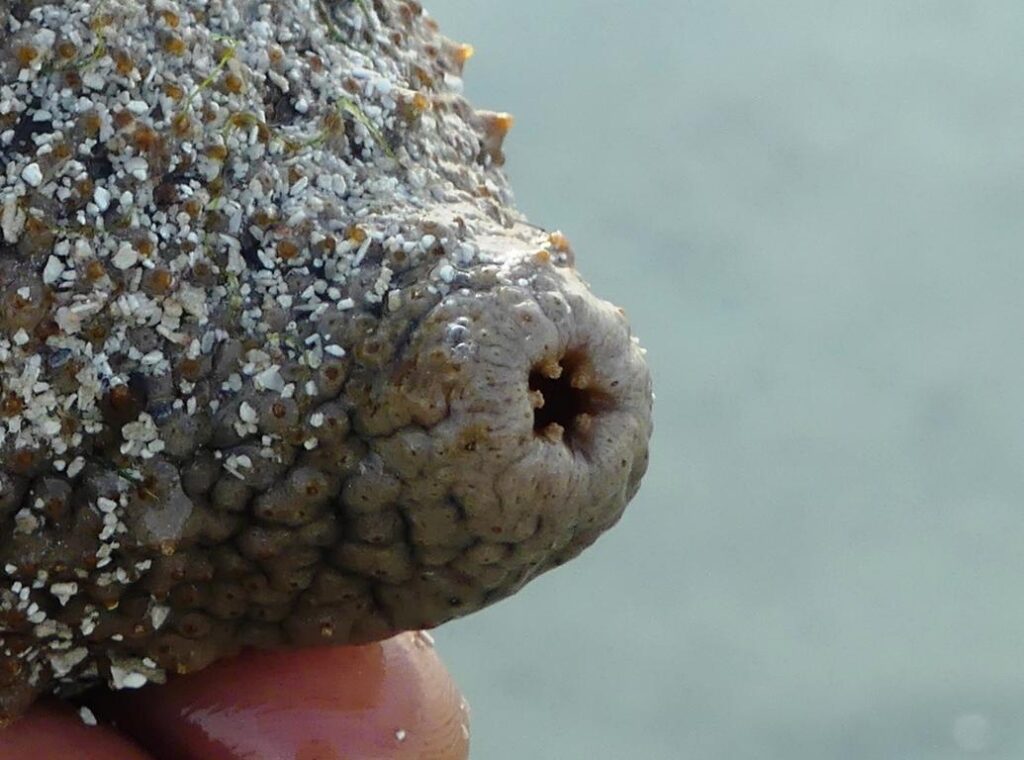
(280, 364)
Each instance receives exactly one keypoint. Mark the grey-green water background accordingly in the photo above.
(812, 212)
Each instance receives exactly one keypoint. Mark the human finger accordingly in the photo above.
(54, 731)
(392, 699)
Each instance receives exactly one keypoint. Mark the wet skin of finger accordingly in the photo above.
(54, 731)
(376, 702)
(388, 700)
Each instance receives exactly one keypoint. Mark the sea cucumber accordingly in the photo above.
(280, 363)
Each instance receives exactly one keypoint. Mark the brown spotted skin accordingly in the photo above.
(280, 364)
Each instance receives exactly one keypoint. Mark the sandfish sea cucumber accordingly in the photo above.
(280, 363)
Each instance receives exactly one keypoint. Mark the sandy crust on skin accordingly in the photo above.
(280, 364)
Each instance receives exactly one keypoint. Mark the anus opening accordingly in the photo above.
(564, 397)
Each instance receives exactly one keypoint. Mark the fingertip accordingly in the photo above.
(55, 731)
(392, 699)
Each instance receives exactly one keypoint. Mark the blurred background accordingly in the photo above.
(813, 213)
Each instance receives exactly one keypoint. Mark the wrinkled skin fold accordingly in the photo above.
(280, 363)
